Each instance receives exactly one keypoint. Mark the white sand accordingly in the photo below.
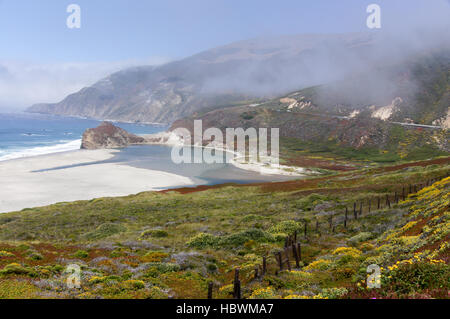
(22, 188)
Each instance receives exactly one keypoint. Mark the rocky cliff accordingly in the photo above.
(218, 77)
(107, 135)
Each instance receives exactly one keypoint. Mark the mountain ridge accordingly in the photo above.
(243, 70)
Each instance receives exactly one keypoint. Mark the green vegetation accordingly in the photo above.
(160, 245)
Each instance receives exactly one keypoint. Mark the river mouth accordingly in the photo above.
(158, 158)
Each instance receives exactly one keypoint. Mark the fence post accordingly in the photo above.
(345, 219)
(286, 252)
(294, 252)
(280, 260)
(237, 284)
(264, 270)
(210, 290)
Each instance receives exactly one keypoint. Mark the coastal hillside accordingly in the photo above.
(179, 243)
(408, 121)
(238, 74)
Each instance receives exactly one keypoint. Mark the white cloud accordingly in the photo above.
(23, 83)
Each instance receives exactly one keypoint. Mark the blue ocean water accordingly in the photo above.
(23, 134)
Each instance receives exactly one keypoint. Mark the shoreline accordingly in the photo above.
(66, 176)
(28, 182)
(171, 139)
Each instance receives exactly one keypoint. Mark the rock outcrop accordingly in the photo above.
(107, 135)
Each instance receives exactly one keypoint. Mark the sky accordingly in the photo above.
(42, 60)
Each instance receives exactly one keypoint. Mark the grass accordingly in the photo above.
(171, 244)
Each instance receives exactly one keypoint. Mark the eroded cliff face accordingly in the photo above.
(107, 135)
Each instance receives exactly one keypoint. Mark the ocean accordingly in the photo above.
(24, 135)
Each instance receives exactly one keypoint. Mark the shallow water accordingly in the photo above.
(158, 157)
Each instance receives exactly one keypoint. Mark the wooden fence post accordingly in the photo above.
(264, 270)
(210, 290)
(346, 216)
(297, 260)
(286, 252)
(237, 284)
(280, 260)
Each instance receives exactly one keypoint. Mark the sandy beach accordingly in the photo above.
(25, 185)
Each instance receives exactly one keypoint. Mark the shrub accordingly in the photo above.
(202, 240)
(105, 230)
(241, 238)
(211, 267)
(6, 254)
(155, 233)
(161, 268)
(331, 293)
(263, 293)
(35, 256)
(353, 252)
(409, 277)
(17, 269)
(287, 227)
(133, 284)
(365, 247)
(81, 254)
(321, 264)
(155, 256)
(344, 273)
(280, 237)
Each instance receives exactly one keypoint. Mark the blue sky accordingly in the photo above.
(35, 40)
(122, 29)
